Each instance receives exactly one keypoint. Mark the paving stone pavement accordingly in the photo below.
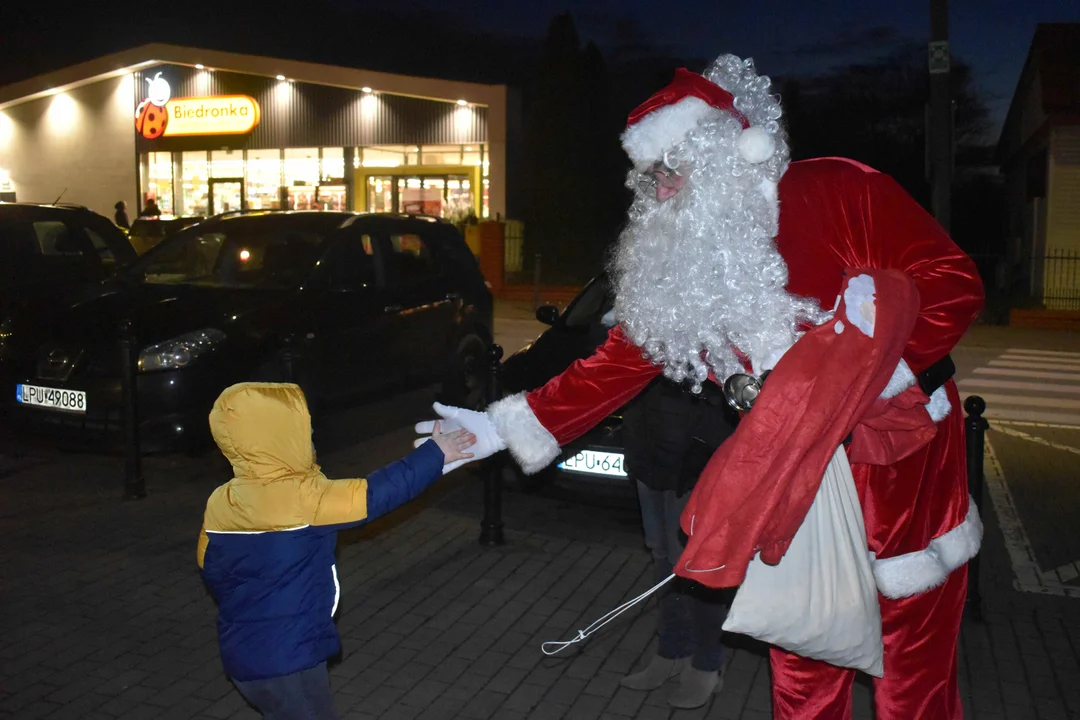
(103, 614)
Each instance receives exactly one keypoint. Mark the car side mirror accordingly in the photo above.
(547, 314)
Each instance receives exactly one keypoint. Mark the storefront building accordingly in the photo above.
(201, 132)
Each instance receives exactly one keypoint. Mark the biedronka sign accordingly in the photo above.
(161, 115)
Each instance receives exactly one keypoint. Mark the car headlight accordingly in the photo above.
(180, 351)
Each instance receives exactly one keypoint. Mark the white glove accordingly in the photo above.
(479, 424)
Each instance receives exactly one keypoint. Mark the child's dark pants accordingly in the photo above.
(303, 695)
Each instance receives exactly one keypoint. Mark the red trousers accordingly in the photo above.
(920, 679)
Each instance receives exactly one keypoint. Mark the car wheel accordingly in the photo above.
(465, 383)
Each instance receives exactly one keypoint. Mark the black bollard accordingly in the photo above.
(975, 427)
(491, 527)
(134, 484)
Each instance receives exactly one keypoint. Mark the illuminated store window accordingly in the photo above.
(485, 208)
(420, 196)
(333, 165)
(445, 196)
(227, 164)
(195, 175)
(301, 166)
(441, 154)
(459, 198)
(333, 191)
(227, 184)
(159, 182)
(382, 156)
(471, 155)
(264, 179)
(302, 178)
(380, 194)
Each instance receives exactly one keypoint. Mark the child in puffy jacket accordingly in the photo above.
(267, 545)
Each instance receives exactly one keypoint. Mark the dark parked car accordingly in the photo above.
(148, 232)
(345, 304)
(48, 251)
(573, 334)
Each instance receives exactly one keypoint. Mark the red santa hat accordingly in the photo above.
(664, 120)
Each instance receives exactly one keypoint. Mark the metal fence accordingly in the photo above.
(514, 239)
(1061, 279)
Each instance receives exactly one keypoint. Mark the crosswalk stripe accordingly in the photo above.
(1024, 385)
(1028, 401)
(1027, 423)
(1020, 385)
(1040, 374)
(1034, 365)
(1049, 353)
(1034, 416)
(1064, 362)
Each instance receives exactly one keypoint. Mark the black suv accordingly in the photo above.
(47, 251)
(345, 304)
(574, 334)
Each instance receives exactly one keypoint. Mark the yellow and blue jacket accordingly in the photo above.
(267, 545)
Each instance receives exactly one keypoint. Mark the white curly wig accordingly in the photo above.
(699, 273)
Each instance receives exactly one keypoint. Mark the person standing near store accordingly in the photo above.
(669, 433)
(121, 216)
(151, 209)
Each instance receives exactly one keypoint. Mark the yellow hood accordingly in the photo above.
(264, 429)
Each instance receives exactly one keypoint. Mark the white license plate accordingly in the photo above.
(595, 462)
(53, 398)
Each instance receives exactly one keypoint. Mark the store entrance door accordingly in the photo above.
(226, 194)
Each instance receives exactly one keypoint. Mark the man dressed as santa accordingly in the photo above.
(829, 276)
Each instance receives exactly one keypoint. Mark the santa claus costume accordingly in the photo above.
(827, 274)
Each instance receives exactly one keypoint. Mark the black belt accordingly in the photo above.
(937, 375)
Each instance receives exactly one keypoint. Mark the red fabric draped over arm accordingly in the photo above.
(758, 487)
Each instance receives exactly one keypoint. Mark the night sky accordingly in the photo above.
(794, 37)
(786, 37)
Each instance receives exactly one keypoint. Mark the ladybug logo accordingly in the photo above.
(151, 117)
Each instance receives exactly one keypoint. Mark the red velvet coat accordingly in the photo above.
(836, 216)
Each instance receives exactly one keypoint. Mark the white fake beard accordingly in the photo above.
(700, 272)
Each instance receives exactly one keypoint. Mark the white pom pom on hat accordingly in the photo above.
(756, 145)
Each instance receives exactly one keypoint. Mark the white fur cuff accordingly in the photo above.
(939, 405)
(914, 573)
(902, 378)
(532, 446)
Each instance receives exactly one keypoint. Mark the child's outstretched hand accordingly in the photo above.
(453, 444)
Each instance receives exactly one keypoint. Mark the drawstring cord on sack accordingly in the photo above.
(601, 622)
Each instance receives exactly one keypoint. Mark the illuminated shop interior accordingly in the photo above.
(447, 181)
